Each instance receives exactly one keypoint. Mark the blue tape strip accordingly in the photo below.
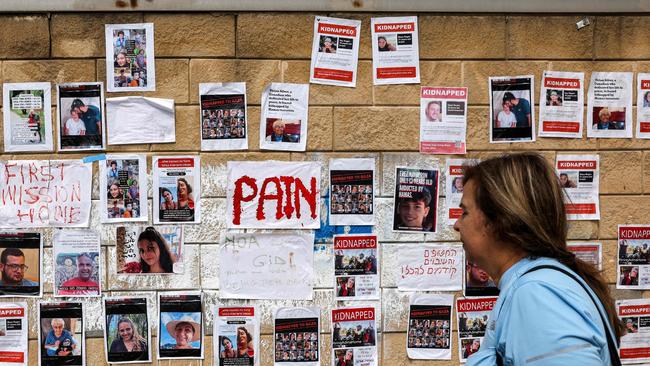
(98, 157)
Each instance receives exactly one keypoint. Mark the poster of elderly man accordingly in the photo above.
(80, 120)
(283, 123)
(61, 334)
(77, 271)
(180, 325)
(20, 264)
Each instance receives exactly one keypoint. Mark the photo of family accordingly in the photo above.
(149, 250)
(178, 198)
(129, 58)
(511, 103)
(281, 130)
(81, 116)
(354, 334)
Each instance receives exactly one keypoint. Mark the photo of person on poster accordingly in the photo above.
(13, 268)
(511, 104)
(127, 338)
(413, 212)
(155, 255)
(609, 118)
(83, 282)
(59, 340)
(327, 44)
(434, 111)
(128, 65)
(278, 131)
(184, 330)
(416, 199)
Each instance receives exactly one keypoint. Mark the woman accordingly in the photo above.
(513, 220)
(328, 46)
(228, 351)
(121, 60)
(244, 343)
(184, 191)
(114, 191)
(128, 339)
(646, 99)
(155, 256)
(383, 44)
(185, 331)
(168, 199)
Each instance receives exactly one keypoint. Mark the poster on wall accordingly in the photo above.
(267, 266)
(45, 193)
(609, 105)
(478, 282)
(325, 234)
(352, 191)
(130, 62)
(27, 117)
(430, 327)
(430, 267)
(123, 188)
(283, 121)
(273, 195)
(443, 120)
(354, 336)
(127, 334)
(61, 338)
(140, 120)
(590, 252)
(561, 104)
(77, 263)
(473, 314)
(224, 116)
(81, 119)
(335, 51)
(580, 177)
(634, 341)
(356, 267)
(633, 270)
(180, 325)
(21, 264)
(149, 250)
(395, 50)
(512, 106)
(296, 333)
(236, 336)
(454, 188)
(643, 106)
(415, 200)
(177, 189)
(14, 348)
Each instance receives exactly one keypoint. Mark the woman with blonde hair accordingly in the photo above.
(128, 339)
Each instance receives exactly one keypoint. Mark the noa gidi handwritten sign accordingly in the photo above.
(273, 195)
(41, 193)
(430, 267)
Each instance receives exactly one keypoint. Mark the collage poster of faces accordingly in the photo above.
(223, 116)
(127, 334)
(180, 326)
(149, 250)
(61, 334)
(416, 199)
(123, 188)
(130, 57)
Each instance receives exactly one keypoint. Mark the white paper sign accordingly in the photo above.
(14, 324)
(473, 314)
(294, 329)
(356, 267)
(77, 263)
(634, 342)
(430, 267)
(443, 120)
(395, 50)
(352, 191)
(590, 252)
(354, 336)
(273, 195)
(580, 177)
(561, 104)
(130, 62)
(140, 120)
(123, 188)
(27, 116)
(283, 123)
(42, 193)
(236, 338)
(643, 106)
(609, 105)
(224, 116)
(335, 51)
(177, 189)
(430, 313)
(633, 266)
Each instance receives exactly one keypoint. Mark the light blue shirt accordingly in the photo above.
(543, 318)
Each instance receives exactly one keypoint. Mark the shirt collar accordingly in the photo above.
(512, 273)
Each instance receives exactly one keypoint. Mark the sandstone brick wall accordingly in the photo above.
(260, 48)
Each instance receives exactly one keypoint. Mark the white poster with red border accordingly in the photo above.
(14, 329)
(634, 314)
(633, 265)
(472, 315)
(356, 267)
(580, 177)
(354, 336)
(643, 106)
(561, 104)
(177, 189)
(236, 339)
(589, 252)
(443, 120)
(454, 189)
(335, 51)
(395, 50)
(609, 105)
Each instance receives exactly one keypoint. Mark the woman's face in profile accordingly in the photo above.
(126, 332)
(472, 226)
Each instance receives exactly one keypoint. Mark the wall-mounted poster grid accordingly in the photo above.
(21, 264)
(180, 325)
(27, 117)
(561, 104)
(430, 267)
(223, 116)
(473, 314)
(81, 122)
(356, 267)
(590, 252)
(14, 328)
(643, 106)
(77, 263)
(512, 106)
(296, 332)
(352, 191)
(123, 188)
(416, 200)
(430, 327)
(634, 343)
(61, 337)
(127, 333)
(609, 105)
(150, 250)
(130, 62)
(395, 50)
(478, 282)
(236, 338)
(443, 120)
(335, 51)
(354, 336)
(283, 122)
(633, 269)
(177, 189)
(580, 178)
(454, 188)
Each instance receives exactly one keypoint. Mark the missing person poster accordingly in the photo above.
(236, 336)
(335, 51)
(352, 191)
(478, 282)
(27, 117)
(591, 253)
(80, 119)
(443, 120)
(609, 105)
(473, 314)
(416, 200)
(561, 104)
(580, 177)
(267, 266)
(273, 195)
(21, 264)
(14, 330)
(140, 120)
(45, 193)
(356, 267)
(283, 124)
(633, 257)
(180, 326)
(642, 106)
(395, 50)
(223, 116)
(354, 336)
(430, 327)
(77, 263)
(61, 335)
(296, 333)
(123, 188)
(150, 250)
(634, 342)
(430, 267)
(454, 189)
(512, 105)
(177, 181)
(130, 62)
(127, 335)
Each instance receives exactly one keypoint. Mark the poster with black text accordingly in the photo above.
(395, 50)
(180, 325)
(283, 123)
(609, 105)
(352, 194)
(430, 327)
(236, 335)
(561, 104)
(416, 199)
(335, 51)
(356, 267)
(21, 264)
(224, 116)
(81, 122)
(296, 333)
(473, 315)
(77, 263)
(27, 117)
(354, 336)
(177, 189)
(14, 332)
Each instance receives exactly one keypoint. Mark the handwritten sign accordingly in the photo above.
(42, 193)
(430, 267)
